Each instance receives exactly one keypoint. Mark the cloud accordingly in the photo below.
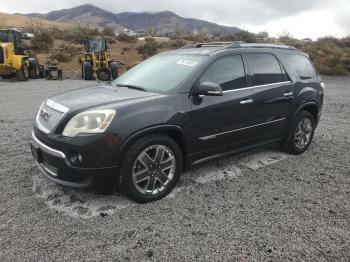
(250, 13)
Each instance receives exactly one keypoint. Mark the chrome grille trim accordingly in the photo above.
(55, 112)
(56, 106)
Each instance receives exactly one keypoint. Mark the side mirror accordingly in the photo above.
(208, 89)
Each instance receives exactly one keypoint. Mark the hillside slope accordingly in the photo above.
(9, 20)
(164, 21)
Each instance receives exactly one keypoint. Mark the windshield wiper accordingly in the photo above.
(132, 87)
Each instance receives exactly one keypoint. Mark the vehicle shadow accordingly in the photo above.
(88, 204)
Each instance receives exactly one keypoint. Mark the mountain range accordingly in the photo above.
(164, 22)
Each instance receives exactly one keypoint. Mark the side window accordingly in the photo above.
(301, 66)
(265, 68)
(228, 72)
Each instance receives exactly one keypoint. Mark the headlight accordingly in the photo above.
(95, 121)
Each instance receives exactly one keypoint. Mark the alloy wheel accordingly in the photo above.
(303, 134)
(153, 169)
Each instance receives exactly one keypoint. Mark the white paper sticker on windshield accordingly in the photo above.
(186, 63)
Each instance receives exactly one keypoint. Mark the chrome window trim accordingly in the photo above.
(48, 149)
(56, 106)
(258, 86)
(239, 129)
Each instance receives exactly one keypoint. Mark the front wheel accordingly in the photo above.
(23, 73)
(114, 70)
(151, 168)
(301, 133)
(87, 71)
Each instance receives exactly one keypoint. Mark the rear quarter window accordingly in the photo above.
(301, 66)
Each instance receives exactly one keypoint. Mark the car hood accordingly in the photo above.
(98, 96)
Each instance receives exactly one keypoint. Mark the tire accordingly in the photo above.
(60, 74)
(34, 70)
(82, 70)
(41, 71)
(114, 70)
(103, 74)
(140, 191)
(23, 73)
(87, 71)
(47, 74)
(300, 136)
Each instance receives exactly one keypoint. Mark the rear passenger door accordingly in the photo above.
(273, 93)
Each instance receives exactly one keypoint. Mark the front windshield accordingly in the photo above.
(95, 45)
(6, 36)
(161, 73)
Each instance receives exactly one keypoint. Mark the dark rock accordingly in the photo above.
(103, 214)
(149, 253)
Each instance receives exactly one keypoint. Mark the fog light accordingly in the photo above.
(75, 158)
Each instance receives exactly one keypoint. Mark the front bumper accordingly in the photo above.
(55, 165)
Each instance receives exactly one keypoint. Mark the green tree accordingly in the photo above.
(108, 31)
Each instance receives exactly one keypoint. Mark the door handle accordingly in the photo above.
(248, 101)
(288, 94)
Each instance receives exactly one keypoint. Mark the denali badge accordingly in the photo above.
(45, 115)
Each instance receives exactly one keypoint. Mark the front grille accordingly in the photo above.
(48, 118)
(1, 55)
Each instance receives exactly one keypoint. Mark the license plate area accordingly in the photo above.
(36, 153)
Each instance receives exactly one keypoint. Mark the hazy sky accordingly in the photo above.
(302, 18)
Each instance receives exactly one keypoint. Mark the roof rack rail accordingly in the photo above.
(254, 45)
(211, 44)
(238, 44)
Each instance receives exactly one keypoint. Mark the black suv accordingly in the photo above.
(177, 109)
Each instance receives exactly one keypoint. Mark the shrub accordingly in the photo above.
(42, 41)
(126, 38)
(177, 44)
(108, 31)
(61, 57)
(148, 49)
(79, 33)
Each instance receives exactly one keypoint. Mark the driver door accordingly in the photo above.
(220, 122)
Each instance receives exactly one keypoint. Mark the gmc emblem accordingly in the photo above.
(45, 115)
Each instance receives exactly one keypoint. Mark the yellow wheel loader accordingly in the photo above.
(96, 62)
(14, 58)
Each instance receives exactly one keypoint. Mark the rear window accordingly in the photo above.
(265, 69)
(301, 66)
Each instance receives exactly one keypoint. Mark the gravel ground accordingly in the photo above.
(261, 206)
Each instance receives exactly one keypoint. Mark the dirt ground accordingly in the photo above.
(261, 206)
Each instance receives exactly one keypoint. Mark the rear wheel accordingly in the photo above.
(87, 70)
(151, 168)
(114, 69)
(34, 70)
(301, 133)
(23, 73)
